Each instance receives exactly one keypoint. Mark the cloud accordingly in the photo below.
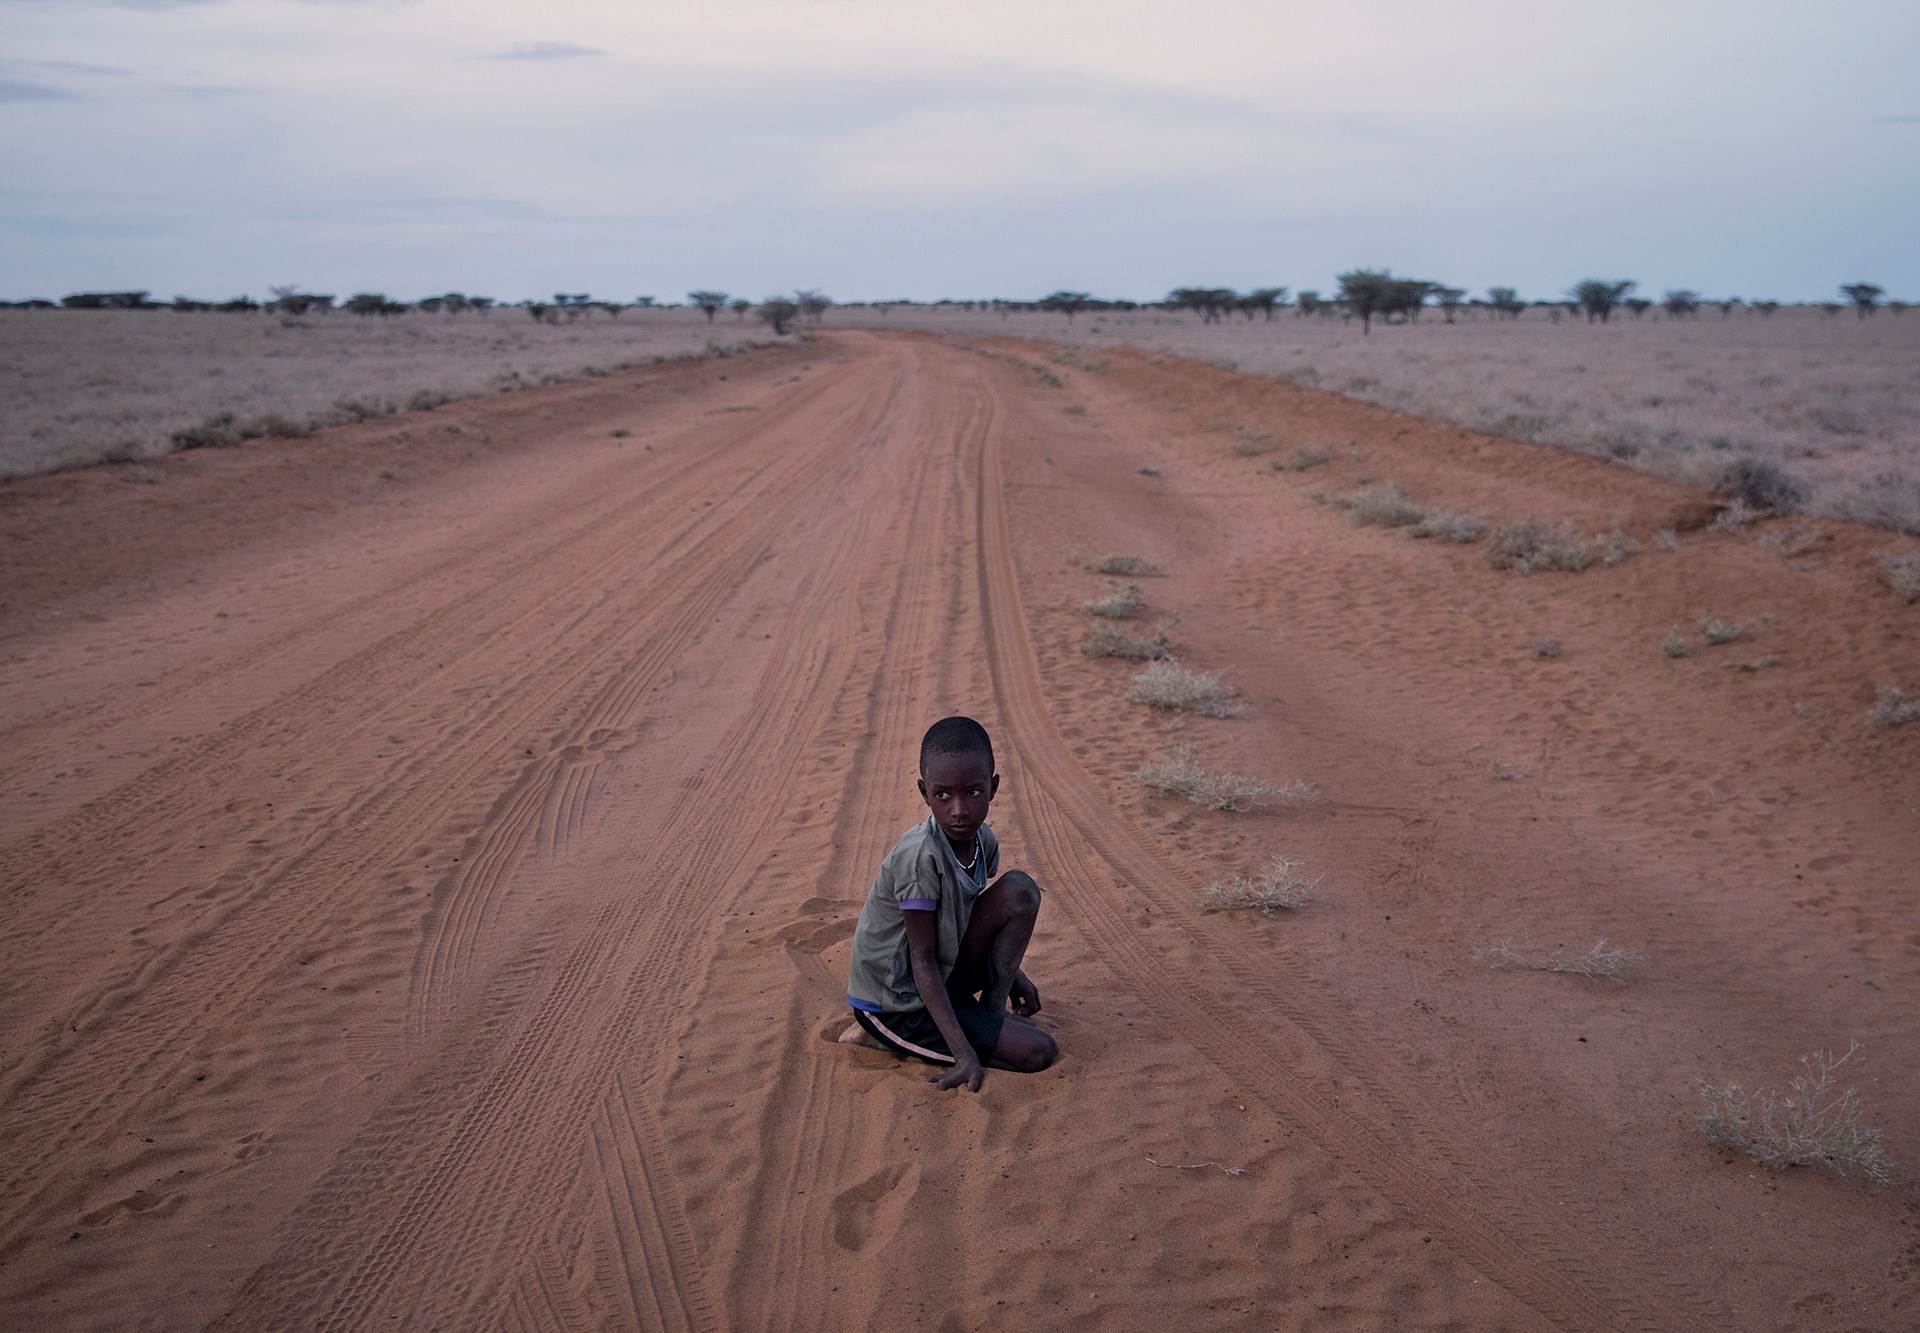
(546, 51)
(1896, 120)
(19, 90)
(65, 67)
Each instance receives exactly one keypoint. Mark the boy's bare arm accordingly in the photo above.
(923, 951)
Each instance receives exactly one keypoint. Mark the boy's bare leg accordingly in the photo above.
(998, 935)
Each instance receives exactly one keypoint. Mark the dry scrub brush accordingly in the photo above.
(1815, 1124)
(1893, 709)
(1179, 774)
(1279, 884)
(1121, 566)
(1903, 573)
(1121, 601)
(1107, 641)
(1449, 525)
(1600, 963)
(1381, 506)
(1530, 545)
(1168, 685)
(1251, 443)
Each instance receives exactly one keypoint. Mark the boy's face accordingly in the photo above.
(958, 788)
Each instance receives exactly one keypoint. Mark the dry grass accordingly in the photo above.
(1673, 645)
(1833, 403)
(1110, 641)
(1380, 506)
(1903, 573)
(1814, 1124)
(1121, 601)
(1716, 631)
(1600, 963)
(86, 386)
(1790, 543)
(1168, 685)
(1304, 457)
(1614, 546)
(1279, 884)
(1893, 709)
(1179, 774)
(1449, 525)
(1544, 648)
(1115, 566)
(1530, 545)
(1251, 443)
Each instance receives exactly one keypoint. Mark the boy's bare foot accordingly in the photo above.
(855, 1035)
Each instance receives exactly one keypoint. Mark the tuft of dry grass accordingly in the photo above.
(1530, 545)
(1167, 685)
(1279, 884)
(1673, 645)
(1251, 443)
(1893, 709)
(1600, 963)
(1179, 774)
(1544, 648)
(1304, 457)
(1717, 631)
(1117, 566)
(1614, 546)
(1903, 573)
(1109, 641)
(1448, 525)
(1736, 515)
(1814, 1124)
(1789, 544)
(1381, 506)
(1121, 601)
(1667, 539)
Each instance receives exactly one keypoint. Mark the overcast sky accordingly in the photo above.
(901, 148)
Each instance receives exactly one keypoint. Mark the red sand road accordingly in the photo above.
(427, 896)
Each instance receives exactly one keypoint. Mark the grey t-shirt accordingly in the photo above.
(921, 873)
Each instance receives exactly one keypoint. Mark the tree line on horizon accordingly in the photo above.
(1366, 294)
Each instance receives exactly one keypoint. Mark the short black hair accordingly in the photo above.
(956, 735)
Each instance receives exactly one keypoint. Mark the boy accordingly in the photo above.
(936, 956)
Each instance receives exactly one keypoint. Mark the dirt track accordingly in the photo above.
(426, 899)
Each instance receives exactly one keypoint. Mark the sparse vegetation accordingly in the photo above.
(1117, 566)
(1168, 685)
(1673, 645)
(1449, 525)
(1667, 539)
(1763, 485)
(1789, 544)
(1251, 443)
(1304, 457)
(1381, 506)
(1814, 1124)
(1903, 573)
(1530, 545)
(1614, 546)
(1110, 641)
(1603, 962)
(1717, 631)
(1147, 471)
(1544, 648)
(1892, 708)
(1179, 774)
(1279, 884)
(1121, 601)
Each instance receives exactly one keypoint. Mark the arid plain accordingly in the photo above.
(429, 848)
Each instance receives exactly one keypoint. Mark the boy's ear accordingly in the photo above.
(994, 789)
(921, 784)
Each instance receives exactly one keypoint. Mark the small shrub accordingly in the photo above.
(1716, 631)
(1762, 485)
(1815, 1124)
(1148, 471)
(270, 425)
(1892, 709)
(1121, 601)
(1303, 458)
(1544, 648)
(1447, 525)
(1758, 664)
(1280, 884)
(619, 432)
(1614, 546)
(1735, 516)
(1119, 566)
(1903, 573)
(1600, 963)
(1251, 443)
(1789, 544)
(1532, 544)
(1168, 685)
(1667, 539)
(1107, 641)
(1673, 645)
(1179, 775)
(1382, 506)
(215, 432)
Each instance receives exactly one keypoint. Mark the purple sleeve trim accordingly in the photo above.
(919, 904)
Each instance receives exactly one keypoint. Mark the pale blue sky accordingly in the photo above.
(886, 148)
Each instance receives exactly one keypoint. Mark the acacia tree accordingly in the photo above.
(1369, 292)
(1066, 302)
(708, 301)
(1598, 296)
(1263, 300)
(812, 304)
(1211, 302)
(1681, 303)
(1864, 295)
(740, 305)
(1449, 299)
(779, 311)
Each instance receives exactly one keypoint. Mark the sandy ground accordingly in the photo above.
(426, 896)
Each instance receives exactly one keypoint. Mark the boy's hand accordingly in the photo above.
(1025, 996)
(966, 1069)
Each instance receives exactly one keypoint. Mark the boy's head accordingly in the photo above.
(957, 780)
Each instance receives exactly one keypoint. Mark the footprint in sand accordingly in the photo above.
(872, 1211)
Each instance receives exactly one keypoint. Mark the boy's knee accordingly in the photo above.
(1023, 892)
(1044, 1053)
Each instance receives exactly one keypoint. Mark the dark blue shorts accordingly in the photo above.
(913, 1031)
